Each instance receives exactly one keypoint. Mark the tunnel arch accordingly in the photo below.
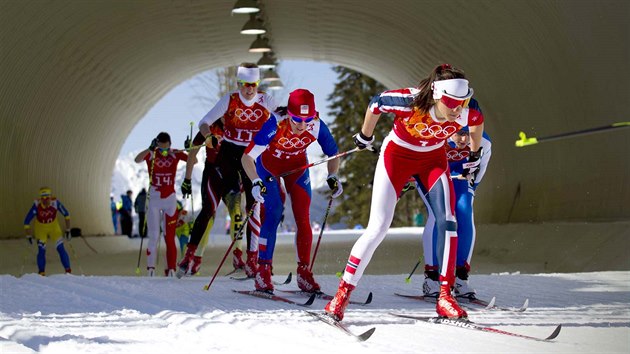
(76, 76)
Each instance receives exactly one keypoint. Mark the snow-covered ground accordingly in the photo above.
(117, 314)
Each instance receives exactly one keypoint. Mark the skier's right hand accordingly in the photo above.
(258, 189)
(362, 141)
(154, 144)
(187, 143)
(30, 239)
(186, 188)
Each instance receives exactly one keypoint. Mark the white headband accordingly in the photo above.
(454, 88)
(248, 74)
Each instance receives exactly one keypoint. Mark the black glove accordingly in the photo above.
(281, 110)
(186, 188)
(68, 235)
(154, 144)
(30, 239)
(471, 167)
(187, 143)
(362, 141)
(409, 186)
(335, 185)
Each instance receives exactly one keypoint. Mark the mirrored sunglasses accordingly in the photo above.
(249, 84)
(453, 103)
(300, 119)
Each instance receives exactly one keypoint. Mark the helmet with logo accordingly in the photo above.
(301, 104)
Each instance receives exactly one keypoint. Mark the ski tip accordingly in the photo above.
(289, 277)
(310, 300)
(525, 305)
(491, 303)
(369, 298)
(366, 335)
(555, 333)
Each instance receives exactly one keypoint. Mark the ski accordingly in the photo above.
(324, 317)
(233, 271)
(464, 323)
(245, 277)
(265, 295)
(486, 305)
(324, 296)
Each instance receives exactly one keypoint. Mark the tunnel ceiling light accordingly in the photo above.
(254, 26)
(245, 7)
(260, 45)
(275, 85)
(270, 75)
(266, 61)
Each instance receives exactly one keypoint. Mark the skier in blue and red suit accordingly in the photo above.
(279, 147)
(44, 211)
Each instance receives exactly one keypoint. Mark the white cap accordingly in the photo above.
(453, 88)
(248, 74)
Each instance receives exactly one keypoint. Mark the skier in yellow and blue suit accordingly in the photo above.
(44, 211)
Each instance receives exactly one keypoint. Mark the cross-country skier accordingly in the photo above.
(44, 210)
(243, 113)
(279, 147)
(457, 153)
(211, 186)
(424, 117)
(162, 163)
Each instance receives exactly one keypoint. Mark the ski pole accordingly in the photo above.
(321, 231)
(76, 260)
(192, 200)
(341, 154)
(525, 141)
(237, 237)
(147, 199)
(408, 279)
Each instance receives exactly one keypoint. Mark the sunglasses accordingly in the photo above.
(249, 84)
(453, 103)
(300, 119)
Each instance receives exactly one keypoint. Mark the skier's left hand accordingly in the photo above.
(335, 185)
(471, 167)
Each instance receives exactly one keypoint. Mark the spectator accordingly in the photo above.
(140, 207)
(126, 223)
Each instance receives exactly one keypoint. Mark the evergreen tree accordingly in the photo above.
(348, 103)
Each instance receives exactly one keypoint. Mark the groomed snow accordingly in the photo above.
(117, 314)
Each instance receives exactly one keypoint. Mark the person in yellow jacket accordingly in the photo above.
(44, 210)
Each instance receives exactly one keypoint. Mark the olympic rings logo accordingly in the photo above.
(434, 131)
(47, 213)
(161, 163)
(248, 114)
(457, 155)
(294, 142)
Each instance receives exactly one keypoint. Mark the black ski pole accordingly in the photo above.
(321, 231)
(525, 141)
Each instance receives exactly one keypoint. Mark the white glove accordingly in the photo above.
(335, 185)
(258, 189)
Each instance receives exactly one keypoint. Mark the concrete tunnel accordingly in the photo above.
(76, 76)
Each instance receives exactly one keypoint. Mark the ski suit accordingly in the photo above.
(464, 198)
(242, 119)
(212, 193)
(162, 199)
(47, 227)
(276, 149)
(414, 148)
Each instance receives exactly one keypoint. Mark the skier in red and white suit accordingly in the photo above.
(162, 166)
(424, 117)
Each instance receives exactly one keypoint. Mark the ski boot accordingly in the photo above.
(305, 279)
(337, 306)
(150, 271)
(183, 268)
(431, 285)
(68, 271)
(462, 289)
(252, 264)
(447, 306)
(196, 265)
(169, 273)
(263, 278)
(237, 259)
